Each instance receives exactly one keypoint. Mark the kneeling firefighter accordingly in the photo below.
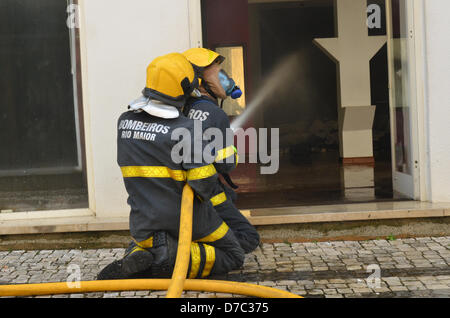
(155, 181)
(216, 84)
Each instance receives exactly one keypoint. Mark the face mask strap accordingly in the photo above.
(209, 90)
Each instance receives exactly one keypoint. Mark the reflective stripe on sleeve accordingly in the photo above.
(218, 199)
(225, 153)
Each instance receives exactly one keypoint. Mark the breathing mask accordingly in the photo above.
(229, 85)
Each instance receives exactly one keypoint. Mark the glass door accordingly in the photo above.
(403, 106)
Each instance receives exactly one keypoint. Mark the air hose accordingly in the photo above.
(174, 286)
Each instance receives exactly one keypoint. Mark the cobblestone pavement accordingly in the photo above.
(416, 267)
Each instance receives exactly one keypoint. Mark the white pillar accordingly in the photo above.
(352, 50)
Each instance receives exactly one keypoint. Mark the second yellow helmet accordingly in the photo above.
(202, 57)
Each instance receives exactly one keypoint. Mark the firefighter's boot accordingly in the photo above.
(164, 253)
(136, 262)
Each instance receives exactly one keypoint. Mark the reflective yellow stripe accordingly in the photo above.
(135, 249)
(210, 260)
(153, 172)
(218, 199)
(216, 235)
(201, 173)
(148, 243)
(225, 153)
(195, 260)
(164, 172)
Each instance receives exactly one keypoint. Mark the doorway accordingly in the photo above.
(305, 104)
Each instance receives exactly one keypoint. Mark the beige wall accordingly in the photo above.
(437, 98)
(119, 39)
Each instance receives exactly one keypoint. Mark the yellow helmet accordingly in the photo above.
(170, 79)
(202, 57)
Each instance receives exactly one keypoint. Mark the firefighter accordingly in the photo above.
(215, 85)
(154, 181)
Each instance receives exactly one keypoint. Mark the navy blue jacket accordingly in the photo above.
(155, 182)
(212, 116)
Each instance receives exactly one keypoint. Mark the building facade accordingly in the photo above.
(358, 90)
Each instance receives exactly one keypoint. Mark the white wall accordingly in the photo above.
(437, 46)
(119, 39)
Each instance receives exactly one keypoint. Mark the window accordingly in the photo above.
(42, 162)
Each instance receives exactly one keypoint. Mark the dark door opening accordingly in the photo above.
(304, 108)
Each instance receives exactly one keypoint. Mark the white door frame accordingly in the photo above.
(195, 23)
(420, 67)
(412, 185)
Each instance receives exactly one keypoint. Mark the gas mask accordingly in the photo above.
(229, 85)
(219, 84)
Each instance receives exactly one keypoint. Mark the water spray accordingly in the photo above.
(271, 86)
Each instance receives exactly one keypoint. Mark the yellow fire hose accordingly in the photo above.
(143, 284)
(184, 244)
(174, 286)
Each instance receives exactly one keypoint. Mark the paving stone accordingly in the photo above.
(437, 286)
(398, 288)
(382, 290)
(362, 290)
(345, 290)
(316, 292)
(287, 282)
(330, 291)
